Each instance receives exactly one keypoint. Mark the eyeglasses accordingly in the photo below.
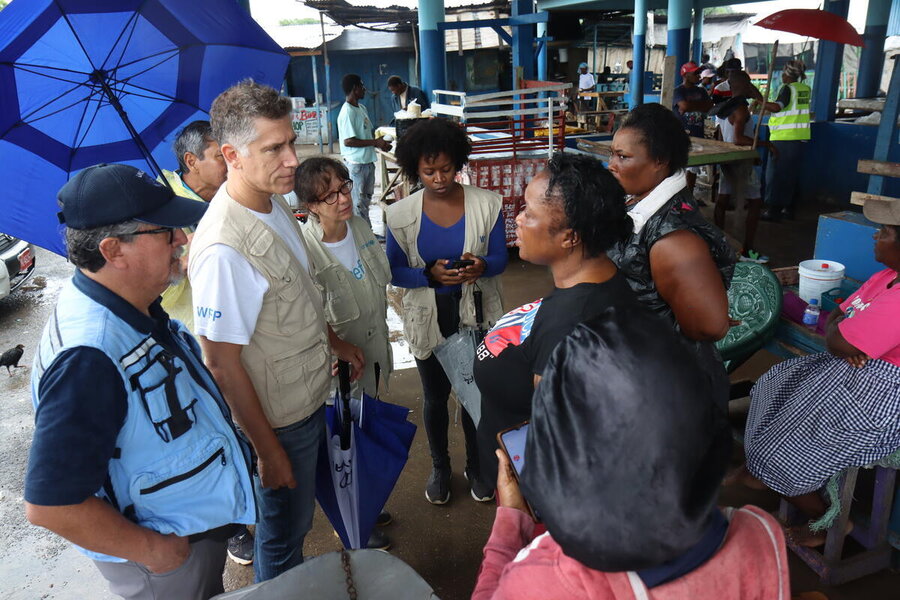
(333, 197)
(169, 230)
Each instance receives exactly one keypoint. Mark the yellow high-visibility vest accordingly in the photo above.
(792, 122)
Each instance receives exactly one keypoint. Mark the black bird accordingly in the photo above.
(11, 358)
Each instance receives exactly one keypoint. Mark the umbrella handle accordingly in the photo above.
(479, 308)
(344, 377)
(346, 417)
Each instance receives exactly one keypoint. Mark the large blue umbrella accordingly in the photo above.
(366, 447)
(91, 81)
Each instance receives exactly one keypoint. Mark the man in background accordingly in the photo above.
(201, 172)
(358, 144)
(586, 83)
(402, 94)
(789, 132)
(691, 102)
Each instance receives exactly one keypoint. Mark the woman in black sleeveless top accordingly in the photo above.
(678, 263)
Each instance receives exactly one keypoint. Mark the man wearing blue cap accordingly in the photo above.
(134, 458)
(586, 83)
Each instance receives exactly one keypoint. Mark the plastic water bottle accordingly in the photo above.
(811, 314)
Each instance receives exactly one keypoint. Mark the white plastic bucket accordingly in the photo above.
(818, 276)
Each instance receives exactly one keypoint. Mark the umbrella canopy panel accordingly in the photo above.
(814, 23)
(92, 81)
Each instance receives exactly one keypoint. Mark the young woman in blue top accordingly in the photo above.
(427, 231)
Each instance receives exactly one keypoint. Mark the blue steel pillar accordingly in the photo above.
(871, 60)
(431, 45)
(697, 44)
(523, 41)
(639, 48)
(828, 69)
(542, 55)
(679, 34)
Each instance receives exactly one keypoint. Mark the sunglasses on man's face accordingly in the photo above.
(169, 230)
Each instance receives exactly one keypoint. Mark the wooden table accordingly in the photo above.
(703, 151)
(601, 103)
(391, 177)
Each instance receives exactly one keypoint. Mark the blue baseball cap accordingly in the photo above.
(583, 66)
(106, 194)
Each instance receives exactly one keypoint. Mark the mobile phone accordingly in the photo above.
(459, 263)
(512, 442)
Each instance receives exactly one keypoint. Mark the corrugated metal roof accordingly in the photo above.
(356, 39)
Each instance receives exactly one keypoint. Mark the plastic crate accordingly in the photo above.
(834, 297)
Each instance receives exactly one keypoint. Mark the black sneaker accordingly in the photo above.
(437, 491)
(378, 541)
(240, 548)
(383, 519)
(480, 491)
(771, 214)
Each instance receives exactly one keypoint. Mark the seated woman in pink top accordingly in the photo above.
(623, 460)
(814, 416)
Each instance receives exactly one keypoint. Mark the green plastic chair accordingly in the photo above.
(754, 299)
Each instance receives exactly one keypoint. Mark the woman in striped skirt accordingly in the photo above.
(814, 416)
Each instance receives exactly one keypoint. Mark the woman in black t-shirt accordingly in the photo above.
(574, 211)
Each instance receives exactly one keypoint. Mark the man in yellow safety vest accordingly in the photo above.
(789, 131)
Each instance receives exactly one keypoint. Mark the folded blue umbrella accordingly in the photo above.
(360, 461)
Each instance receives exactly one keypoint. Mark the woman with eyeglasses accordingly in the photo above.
(348, 264)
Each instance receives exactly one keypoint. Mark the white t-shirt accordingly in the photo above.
(228, 291)
(586, 82)
(346, 252)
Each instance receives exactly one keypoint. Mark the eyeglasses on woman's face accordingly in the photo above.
(333, 197)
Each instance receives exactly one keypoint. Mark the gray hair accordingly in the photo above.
(234, 111)
(83, 245)
(193, 138)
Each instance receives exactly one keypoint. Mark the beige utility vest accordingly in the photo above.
(420, 326)
(288, 357)
(355, 309)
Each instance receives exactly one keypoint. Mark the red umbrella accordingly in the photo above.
(815, 23)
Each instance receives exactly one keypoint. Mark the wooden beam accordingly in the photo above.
(870, 104)
(668, 81)
(879, 167)
(860, 198)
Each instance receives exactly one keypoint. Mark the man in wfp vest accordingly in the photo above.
(260, 317)
(789, 132)
(135, 459)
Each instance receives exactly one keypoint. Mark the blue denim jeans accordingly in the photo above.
(285, 516)
(363, 177)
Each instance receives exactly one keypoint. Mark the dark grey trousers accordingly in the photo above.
(199, 578)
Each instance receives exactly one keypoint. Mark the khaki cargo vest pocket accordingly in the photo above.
(295, 379)
(340, 302)
(419, 326)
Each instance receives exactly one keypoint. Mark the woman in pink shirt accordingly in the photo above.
(814, 416)
(623, 461)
